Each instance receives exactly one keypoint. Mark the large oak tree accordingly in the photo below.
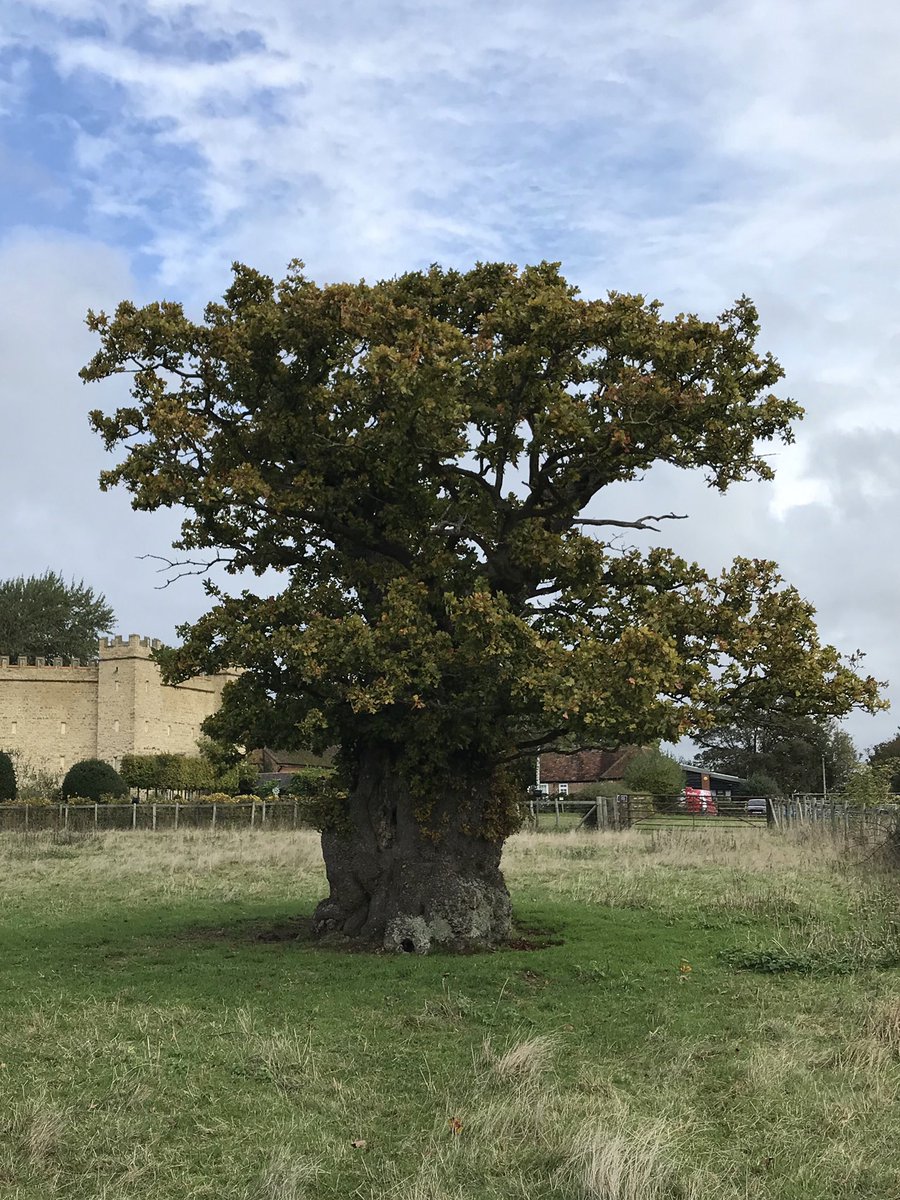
(416, 457)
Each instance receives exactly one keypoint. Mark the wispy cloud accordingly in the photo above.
(683, 149)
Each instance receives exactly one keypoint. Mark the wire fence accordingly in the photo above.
(260, 814)
(546, 814)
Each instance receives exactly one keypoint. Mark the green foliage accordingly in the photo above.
(654, 774)
(786, 747)
(871, 786)
(322, 804)
(33, 785)
(758, 784)
(415, 457)
(93, 780)
(185, 773)
(606, 787)
(45, 616)
(8, 786)
(831, 954)
(888, 752)
(221, 756)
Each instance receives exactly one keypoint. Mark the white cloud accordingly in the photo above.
(687, 150)
(53, 512)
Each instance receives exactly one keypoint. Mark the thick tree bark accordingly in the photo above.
(402, 887)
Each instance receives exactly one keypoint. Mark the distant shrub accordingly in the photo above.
(655, 774)
(95, 780)
(186, 773)
(758, 784)
(8, 786)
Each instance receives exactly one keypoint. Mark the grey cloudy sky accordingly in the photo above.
(688, 151)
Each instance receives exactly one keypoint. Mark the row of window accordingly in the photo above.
(63, 727)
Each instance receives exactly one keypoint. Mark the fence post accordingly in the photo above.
(294, 825)
(96, 816)
(263, 812)
(176, 814)
(154, 817)
(215, 806)
(556, 809)
(26, 818)
(66, 816)
(252, 814)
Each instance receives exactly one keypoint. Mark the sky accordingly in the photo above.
(691, 152)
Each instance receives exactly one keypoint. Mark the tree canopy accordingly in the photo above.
(654, 773)
(788, 747)
(424, 461)
(887, 754)
(43, 616)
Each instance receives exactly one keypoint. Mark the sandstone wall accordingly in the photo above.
(53, 715)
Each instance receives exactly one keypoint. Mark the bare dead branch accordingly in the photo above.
(640, 523)
(192, 567)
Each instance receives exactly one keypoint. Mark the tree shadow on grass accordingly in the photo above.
(298, 930)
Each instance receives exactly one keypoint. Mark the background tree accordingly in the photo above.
(887, 753)
(787, 747)
(871, 784)
(654, 774)
(416, 457)
(758, 783)
(8, 786)
(45, 616)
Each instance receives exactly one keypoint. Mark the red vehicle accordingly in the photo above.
(700, 800)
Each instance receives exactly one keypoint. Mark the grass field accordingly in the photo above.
(688, 1017)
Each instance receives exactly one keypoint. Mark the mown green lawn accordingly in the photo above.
(708, 1014)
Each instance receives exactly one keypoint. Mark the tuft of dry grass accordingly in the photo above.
(523, 1060)
(287, 1176)
(883, 1023)
(623, 1158)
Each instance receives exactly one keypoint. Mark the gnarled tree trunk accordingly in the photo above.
(408, 884)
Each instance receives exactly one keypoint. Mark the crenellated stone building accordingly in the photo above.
(55, 714)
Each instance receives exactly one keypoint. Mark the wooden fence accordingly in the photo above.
(648, 813)
(553, 813)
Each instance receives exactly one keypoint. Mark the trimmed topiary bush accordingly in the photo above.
(8, 786)
(94, 780)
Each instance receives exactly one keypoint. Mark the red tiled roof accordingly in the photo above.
(586, 766)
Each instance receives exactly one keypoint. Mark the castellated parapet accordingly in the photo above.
(54, 714)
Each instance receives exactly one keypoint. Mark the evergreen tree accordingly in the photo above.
(8, 786)
(43, 616)
(93, 779)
